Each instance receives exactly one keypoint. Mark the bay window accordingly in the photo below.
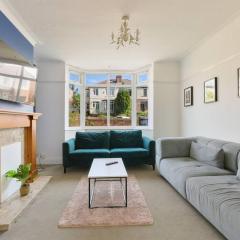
(109, 100)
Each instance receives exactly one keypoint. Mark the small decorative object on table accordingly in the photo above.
(22, 174)
(111, 163)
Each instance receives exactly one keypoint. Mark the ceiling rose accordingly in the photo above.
(124, 37)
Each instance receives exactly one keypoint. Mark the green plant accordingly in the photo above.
(74, 119)
(76, 101)
(22, 173)
(122, 103)
(142, 114)
(101, 115)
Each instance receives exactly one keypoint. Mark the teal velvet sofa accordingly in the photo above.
(131, 146)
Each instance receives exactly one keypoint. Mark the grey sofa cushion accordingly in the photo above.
(238, 172)
(210, 155)
(173, 147)
(217, 143)
(231, 151)
(218, 199)
(178, 170)
(203, 140)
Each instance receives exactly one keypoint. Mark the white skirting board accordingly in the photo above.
(10, 209)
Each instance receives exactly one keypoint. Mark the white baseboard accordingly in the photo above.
(51, 160)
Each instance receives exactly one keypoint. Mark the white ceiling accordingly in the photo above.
(78, 31)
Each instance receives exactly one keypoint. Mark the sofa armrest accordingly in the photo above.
(67, 147)
(173, 147)
(149, 144)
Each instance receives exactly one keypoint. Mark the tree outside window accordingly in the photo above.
(121, 114)
(74, 99)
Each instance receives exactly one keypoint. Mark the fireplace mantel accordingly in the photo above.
(26, 120)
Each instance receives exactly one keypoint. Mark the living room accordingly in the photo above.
(120, 123)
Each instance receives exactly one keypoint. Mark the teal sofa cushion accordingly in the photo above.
(129, 153)
(92, 140)
(90, 153)
(126, 139)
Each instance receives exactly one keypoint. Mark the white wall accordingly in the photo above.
(219, 56)
(50, 102)
(166, 99)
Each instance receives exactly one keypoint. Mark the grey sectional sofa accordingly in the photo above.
(213, 190)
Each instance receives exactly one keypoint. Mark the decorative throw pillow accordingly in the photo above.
(89, 140)
(210, 155)
(126, 139)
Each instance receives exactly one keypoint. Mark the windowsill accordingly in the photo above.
(109, 128)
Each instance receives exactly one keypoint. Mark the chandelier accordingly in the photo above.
(124, 37)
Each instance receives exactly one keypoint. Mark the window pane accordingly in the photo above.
(27, 92)
(74, 105)
(74, 77)
(121, 79)
(30, 72)
(96, 79)
(142, 106)
(10, 69)
(96, 106)
(9, 88)
(143, 78)
(120, 106)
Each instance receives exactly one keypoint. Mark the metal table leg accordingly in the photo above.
(125, 192)
(92, 190)
(89, 193)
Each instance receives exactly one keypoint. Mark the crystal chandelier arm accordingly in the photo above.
(113, 38)
(131, 39)
(122, 28)
(137, 35)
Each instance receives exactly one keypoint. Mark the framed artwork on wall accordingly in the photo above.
(188, 97)
(238, 81)
(210, 90)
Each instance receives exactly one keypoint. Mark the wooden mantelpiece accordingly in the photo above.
(26, 120)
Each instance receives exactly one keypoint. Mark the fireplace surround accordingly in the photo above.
(26, 120)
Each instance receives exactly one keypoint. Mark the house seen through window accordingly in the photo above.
(109, 99)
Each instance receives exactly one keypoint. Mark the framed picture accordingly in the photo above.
(188, 96)
(238, 81)
(210, 90)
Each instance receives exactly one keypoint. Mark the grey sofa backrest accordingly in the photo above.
(169, 147)
(231, 151)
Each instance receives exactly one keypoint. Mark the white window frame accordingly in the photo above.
(83, 87)
(149, 93)
(69, 69)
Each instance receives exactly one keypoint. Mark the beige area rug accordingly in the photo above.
(77, 213)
